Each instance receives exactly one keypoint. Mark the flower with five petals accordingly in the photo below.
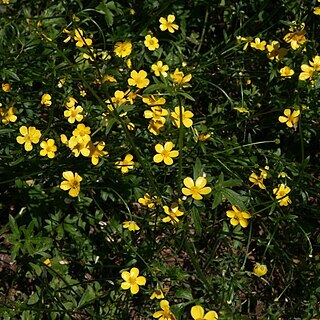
(132, 280)
(195, 189)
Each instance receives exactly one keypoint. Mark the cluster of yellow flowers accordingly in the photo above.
(133, 281)
(80, 143)
(281, 191)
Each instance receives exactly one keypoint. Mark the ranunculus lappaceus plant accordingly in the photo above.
(159, 160)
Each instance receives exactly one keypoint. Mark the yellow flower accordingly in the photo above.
(247, 41)
(122, 49)
(173, 213)
(258, 44)
(5, 1)
(80, 40)
(148, 200)
(195, 189)
(74, 114)
(151, 43)
(48, 148)
(316, 10)
(257, 180)
(48, 262)
(7, 115)
(286, 72)
(260, 269)
(315, 63)
(167, 24)
(80, 145)
(238, 216)
(46, 99)
(157, 293)
(71, 102)
(160, 68)
(131, 226)
(291, 118)
(296, 39)
(132, 280)
(126, 164)
(6, 87)
(165, 313)
(197, 313)
(151, 100)
(275, 52)
(138, 79)
(178, 77)
(165, 153)
(157, 115)
(281, 193)
(81, 131)
(96, 151)
(72, 183)
(109, 79)
(117, 100)
(29, 135)
(307, 72)
(186, 117)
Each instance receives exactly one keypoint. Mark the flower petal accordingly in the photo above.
(188, 182)
(197, 312)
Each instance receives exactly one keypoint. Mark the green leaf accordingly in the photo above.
(234, 198)
(184, 294)
(197, 169)
(14, 227)
(88, 296)
(195, 215)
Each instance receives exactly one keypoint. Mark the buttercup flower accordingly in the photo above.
(122, 49)
(178, 77)
(197, 313)
(151, 100)
(72, 183)
(173, 213)
(258, 44)
(238, 216)
(255, 179)
(165, 313)
(148, 200)
(195, 189)
(71, 102)
(74, 114)
(29, 135)
(158, 294)
(260, 269)
(48, 148)
(275, 52)
(131, 226)
(151, 43)
(132, 280)
(167, 24)
(80, 40)
(126, 164)
(96, 151)
(7, 115)
(286, 72)
(46, 99)
(297, 37)
(281, 193)
(138, 79)
(291, 119)
(186, 117)
(160, 68)
(165, 153)
(6, 87)
(246, 40)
